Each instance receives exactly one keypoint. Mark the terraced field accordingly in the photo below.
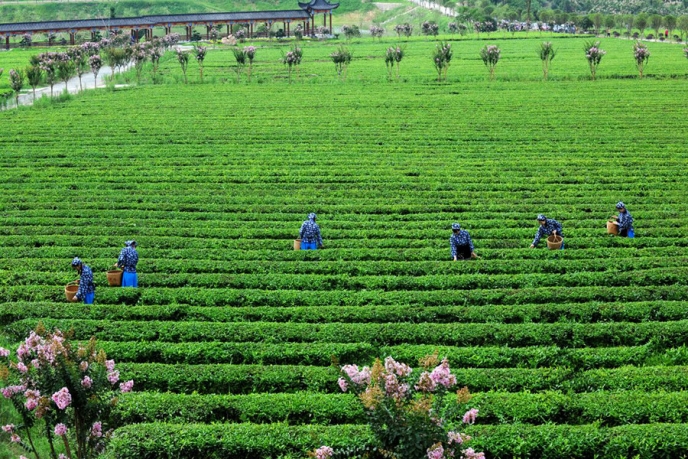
(232, 334)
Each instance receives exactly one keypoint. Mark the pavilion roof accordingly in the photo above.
(318, 5)
(151, 21)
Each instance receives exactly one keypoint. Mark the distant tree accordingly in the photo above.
(629, 21)
(641, 55)
(33, 76)
(199, 54)
(441, 58)
(656, 23)
(65, 68)
(641, 23)
(342, 58)
(597, 20)
(682, 24)
(546, 16)
(95, 62)
(183, 59)
(609, 21)
(16, 82)
(376, 31)
(490, 55)
(670, 23)
(594, 54)
(351, 31)
(429, 28)
(547, 53)
(393, 57)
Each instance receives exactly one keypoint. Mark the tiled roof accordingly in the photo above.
(318, 5)
(151, 21)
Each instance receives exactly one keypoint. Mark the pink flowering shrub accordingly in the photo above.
(408, 411)
(67, 387)
(641, 55)
(594, 54)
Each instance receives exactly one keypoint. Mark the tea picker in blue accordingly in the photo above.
(310, 236)
(461, 244)
(127, 261)
(87, 289)
(547, 227)
(624, 221)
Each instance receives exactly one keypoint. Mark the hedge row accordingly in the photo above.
(288, 297)
(44, 268)
(229, 441)
(204, 252)
(642, 311)
(235, 441)
(669, 334)
(323, 354)
(637, 277)
(604, 408)
(244, 379)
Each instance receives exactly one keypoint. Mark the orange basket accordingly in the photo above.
(114, 278)
(297, 244)
(70, 291)
(554, 242)
(612, 228)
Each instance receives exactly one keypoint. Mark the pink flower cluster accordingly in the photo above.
(97, 430)
(324, 452)
(469, 417)
(471, 454)
(60, 429)
(87, 382)
(4, 352)
(9, 391)
(62, 398)
(32, 397)
(436, 452)
(397, 368)
(126, 386)
(113, 377)
(457, 437)
(441, 375)
(358, 377)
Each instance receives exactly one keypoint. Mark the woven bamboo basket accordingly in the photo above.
(297, 244)
(612, 228)
(554, 242)
(114, 278)
(70, 291)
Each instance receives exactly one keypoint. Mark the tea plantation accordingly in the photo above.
(234, 339)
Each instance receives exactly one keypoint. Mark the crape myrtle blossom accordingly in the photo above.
(126, 386)
(394, 397)
(60, 429)
(4, 352)
(62, 398)
(469, 417)
(324, 452)
(55, 362)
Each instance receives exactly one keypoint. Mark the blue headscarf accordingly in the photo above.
(620, 205)
(311, 216)
(456, 226)
(541, 218)
(130, 243)
(77, 261)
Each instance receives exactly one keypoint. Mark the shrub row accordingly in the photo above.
(658, 311)
(655, 276)
(243, 379)
(323, 354)
(604, 408)
(44, 268)
(515, 335)
(205, 252)
(234, 441)
(287, 297)
(229, 441)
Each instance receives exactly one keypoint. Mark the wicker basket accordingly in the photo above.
(554, 242)
(297, 244)
(114, 278)
(612, 228)
(70, 291)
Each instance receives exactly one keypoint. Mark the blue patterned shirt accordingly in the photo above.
(547, 229)
(625, 221)
(310, 232)
(86, 284)
(128, 258)
(459, 240)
